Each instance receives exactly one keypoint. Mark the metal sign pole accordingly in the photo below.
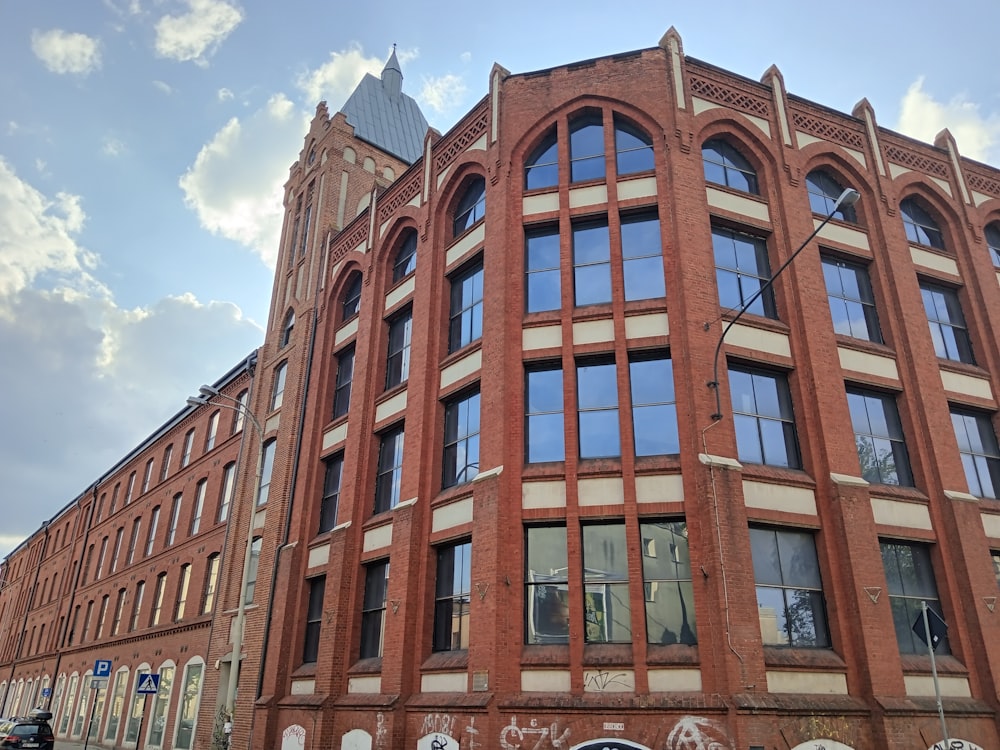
(937, 688)
(142, 716)
(93, 708)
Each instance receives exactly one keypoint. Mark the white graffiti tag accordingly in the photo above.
(442, 723)
(473, 733)
(513, 737)
(381, 731)
(698, 733)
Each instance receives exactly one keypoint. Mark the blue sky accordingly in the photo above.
(143, 145)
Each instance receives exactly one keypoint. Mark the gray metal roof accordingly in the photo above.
(383, 115)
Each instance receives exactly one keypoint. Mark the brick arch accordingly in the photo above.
(403, 219)
(741, 135)
(849, 173)
(940, 204)
(463, 171)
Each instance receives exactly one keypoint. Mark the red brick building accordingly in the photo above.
(502, 513)
(128, 573)
(498, 501)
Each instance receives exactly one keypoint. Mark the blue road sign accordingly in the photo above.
(46, 692)
(148, 684)
(102, 668)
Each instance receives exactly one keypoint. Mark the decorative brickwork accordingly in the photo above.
(347, 242)
(827, 130)
(915, 160)
(459, 142)
(728, 95)
(983, 184)
(399, 195)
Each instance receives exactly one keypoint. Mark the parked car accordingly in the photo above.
(31, 732)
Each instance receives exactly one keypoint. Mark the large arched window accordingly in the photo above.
(992, 233)
(919, 225)
(472, 206)
(542, 168)
(586, 148)
(724, 165)
(286, 328)
(406, 257)
(823, 193)
(634, 148)
(351, 303)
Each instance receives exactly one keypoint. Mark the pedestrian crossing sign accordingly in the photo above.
(148, 683)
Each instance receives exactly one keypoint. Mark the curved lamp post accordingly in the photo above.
(209, 394)
(849, 197)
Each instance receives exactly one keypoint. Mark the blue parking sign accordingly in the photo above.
(102, 668)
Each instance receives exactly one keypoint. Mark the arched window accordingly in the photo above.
(352, 297)
(724, 165)
(266, 469)
(823, 193)
(472, 206)
(542, 168)
(586, 148)
(286, 329)
(251, 582)
(992, 233)
(406, 257)
(634, 148)
(919, 225)
(278, 390)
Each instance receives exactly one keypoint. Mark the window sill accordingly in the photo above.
(446, 661)
(963, 368)
(306, 670)
(549, 655)
(458, 354)
(778, 475)
(595, 311)
(757, 321)
(865, 346)
(895, 492)
(450, 494)
(607, 654)
(458, 237)
(643, 306)
(391, 391)
(945, 663)
(544, 470)
(808, 658)
(541, 318)
(671, 654)
(659, 463)
(372, 665)
(597, 467)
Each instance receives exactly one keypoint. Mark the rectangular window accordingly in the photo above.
(586, 148)
(251, 588)
(100, 559)
(977, 445)
(542, 270)
(175, 513)
(642, 257)
(211, 584)
(654, 406)
(597, 397)
(398, 361)
(452, 597)
(591, 263)
(789, 590)
(390, 470)
(151, 537)
(266, 469)
(161, 586)
(762, 413)
(158, 714)
(278, 387)
(240, 410)
(373, 609)
(461, 441)
(852, 304)
(131, 486)
(133, 540)
(910, 579)
(182, 593)
(878, 435)
(168, 453)
(101, 615)
(741, 269)
(147, 477)
(465, 323)
(188, 447)
(213, 431)
(345, 375)
(543, 419)
(546, 582)
(947, 324)
(190, 698)
(331, 493)
(117, 549)
(136, 605)
(607, 608)
(199, 506)
(666, 577)
(996, 565)
(314, 619)
(119, 610)
(226, 496)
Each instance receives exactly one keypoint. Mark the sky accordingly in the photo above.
(144, 145)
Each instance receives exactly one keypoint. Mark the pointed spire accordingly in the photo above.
(392, 75)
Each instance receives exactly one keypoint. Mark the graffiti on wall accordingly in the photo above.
(533, 736)
(698, 733)
(293, 738)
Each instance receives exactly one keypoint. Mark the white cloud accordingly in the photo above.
(12, 127)
(112, 146)
(406, 55)
(465, 57)
(337, 78)
(922, 117)
(66, 52)
(85, 380)
(224, 95)
(197, 33)
(41, 166)
(163, 86)
(444, 93)
(235, 183)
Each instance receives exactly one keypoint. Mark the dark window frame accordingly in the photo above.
(823, 191)
(784, 418)
(624, 151)
(405, 261)
(389, 476)
(373, 606)
(546, 590)
(314, 619)
(721, 159)
(465, 316)
(399, 337)
(978, 450)
(914, 558)
(538, 271)
(879, 425)
(538, 174)
(841, 295)
(585, 164)
(918, 224)
(452, 598)
(748, 280)
(329, 502)
(946, 321)
(537, 413)
(470, 209)
(350, 305)
(343, 381)
(667, 568)
(461, 439)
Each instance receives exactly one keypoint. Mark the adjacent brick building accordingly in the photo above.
(513, 492)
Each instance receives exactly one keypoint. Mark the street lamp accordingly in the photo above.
(849, 197)
(208, 394)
